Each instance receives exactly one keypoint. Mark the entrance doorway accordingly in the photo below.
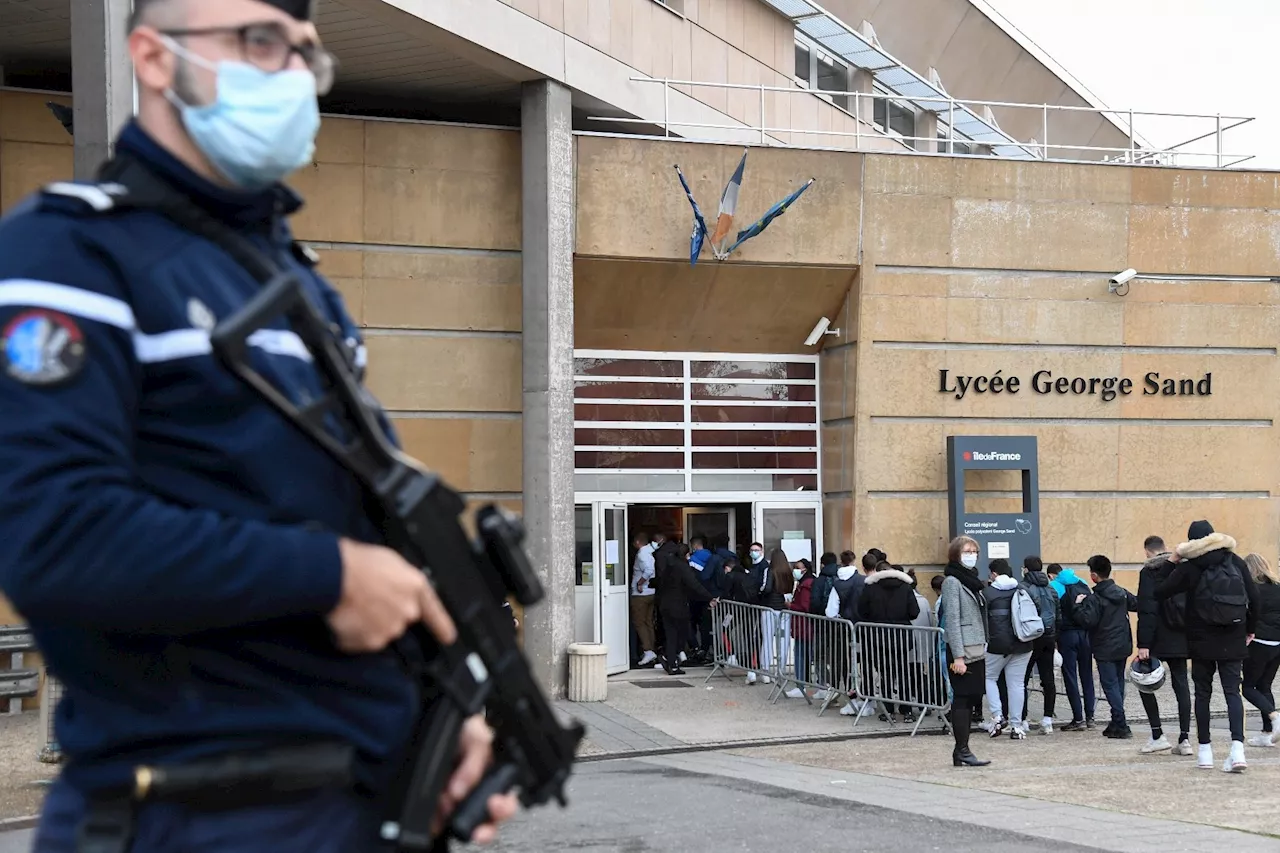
(606, 531)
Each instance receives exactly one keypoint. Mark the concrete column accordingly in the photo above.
(927, 130)
(101, 79)
(863, 82)
(547, 255)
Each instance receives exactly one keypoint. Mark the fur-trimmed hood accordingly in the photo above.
(889, 574)
(1157, 561)
(1200, 547)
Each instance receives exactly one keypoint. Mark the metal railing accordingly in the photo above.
(900, 667)
(887, 667)
(949, 111)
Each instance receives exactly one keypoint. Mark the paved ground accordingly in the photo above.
(1084, 769)
(636, 806)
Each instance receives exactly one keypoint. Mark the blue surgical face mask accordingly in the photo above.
(797, 573)
(260, 127)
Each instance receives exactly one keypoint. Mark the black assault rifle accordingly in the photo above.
(485, 668)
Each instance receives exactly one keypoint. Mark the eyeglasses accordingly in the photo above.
(267, 46)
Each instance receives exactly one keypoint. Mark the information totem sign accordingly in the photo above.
(1012, 536)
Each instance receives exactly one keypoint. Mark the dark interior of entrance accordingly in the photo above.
(721, 525)
(732, 522)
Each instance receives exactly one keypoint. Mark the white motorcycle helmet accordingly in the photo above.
(1147, 675)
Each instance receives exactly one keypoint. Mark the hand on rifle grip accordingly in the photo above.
(483, 803)
(476, 810)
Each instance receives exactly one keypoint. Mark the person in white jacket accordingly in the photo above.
(842, 603)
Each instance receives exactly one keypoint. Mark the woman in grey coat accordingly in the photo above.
(964, 620)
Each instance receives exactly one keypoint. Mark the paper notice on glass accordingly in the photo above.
(997, 550)
(793, 534)
(611, 551)
(798, 549)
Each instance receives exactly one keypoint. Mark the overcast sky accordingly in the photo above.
(1193, 56)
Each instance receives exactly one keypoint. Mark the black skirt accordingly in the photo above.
(973, 682)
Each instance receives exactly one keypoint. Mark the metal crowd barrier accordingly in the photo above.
(901, 669)
(821, 655)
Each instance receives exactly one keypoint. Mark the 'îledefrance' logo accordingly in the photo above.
(41, 347)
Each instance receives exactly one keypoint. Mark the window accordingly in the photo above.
(895, 117)
(816, 69)
(960, 145)
(676, 6)
(674, 422)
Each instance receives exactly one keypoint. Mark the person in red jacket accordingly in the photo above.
(801, 630)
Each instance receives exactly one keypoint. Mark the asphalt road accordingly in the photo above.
(632, 807)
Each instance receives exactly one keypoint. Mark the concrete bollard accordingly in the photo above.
(587, 679)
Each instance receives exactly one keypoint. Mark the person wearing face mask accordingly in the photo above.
(205, 580)
(757, 572)
(964, 620)
(801, 630)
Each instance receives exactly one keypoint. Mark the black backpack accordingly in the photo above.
(1220, 597)
(1173, 612)
(821, 591)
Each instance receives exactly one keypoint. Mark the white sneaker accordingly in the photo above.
(1046, 726)
(1204, 761)
(822, 695)
(1263, 740)
(1183, 748)
(795, 693)
(766, 679)
(751, 678)
(849, 711)
(731, 660)
(647, 658)
(1156, 745)
(868, 708)
(1235, 762)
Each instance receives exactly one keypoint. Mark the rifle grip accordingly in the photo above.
(474, 810)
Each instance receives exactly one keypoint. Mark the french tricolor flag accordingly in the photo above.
(729, 203)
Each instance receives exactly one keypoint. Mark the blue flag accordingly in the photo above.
(771, 214)
(699, 223)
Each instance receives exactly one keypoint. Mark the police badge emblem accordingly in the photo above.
(41, 347)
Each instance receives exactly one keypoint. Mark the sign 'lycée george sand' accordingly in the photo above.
(1044, 382)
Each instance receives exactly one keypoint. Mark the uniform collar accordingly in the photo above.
(233, 206)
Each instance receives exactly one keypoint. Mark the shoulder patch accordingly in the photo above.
(42, 347)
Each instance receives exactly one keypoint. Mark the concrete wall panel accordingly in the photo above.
(1204, 240)
(471, 455)
(442, 291)
(414, 373)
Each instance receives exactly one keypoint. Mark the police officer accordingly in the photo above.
(202, 578)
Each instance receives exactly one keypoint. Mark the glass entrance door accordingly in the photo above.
(601, 604)
(796, 528)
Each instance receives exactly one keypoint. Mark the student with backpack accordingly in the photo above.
(1161, 636)
(1106, 616)
(1221, 616)
(1007, 650)
(1044, 648)
(1077, 652)
(842, 603)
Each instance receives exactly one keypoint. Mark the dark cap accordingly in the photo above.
(1199, 530)
(300, 9)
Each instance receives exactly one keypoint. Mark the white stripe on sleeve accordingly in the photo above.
(69, 300)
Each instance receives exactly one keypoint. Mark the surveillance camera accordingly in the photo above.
(823, 327)
(1123, 277)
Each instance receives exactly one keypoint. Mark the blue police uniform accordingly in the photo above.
(170, 538)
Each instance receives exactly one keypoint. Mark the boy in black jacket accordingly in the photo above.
(1106, 616)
